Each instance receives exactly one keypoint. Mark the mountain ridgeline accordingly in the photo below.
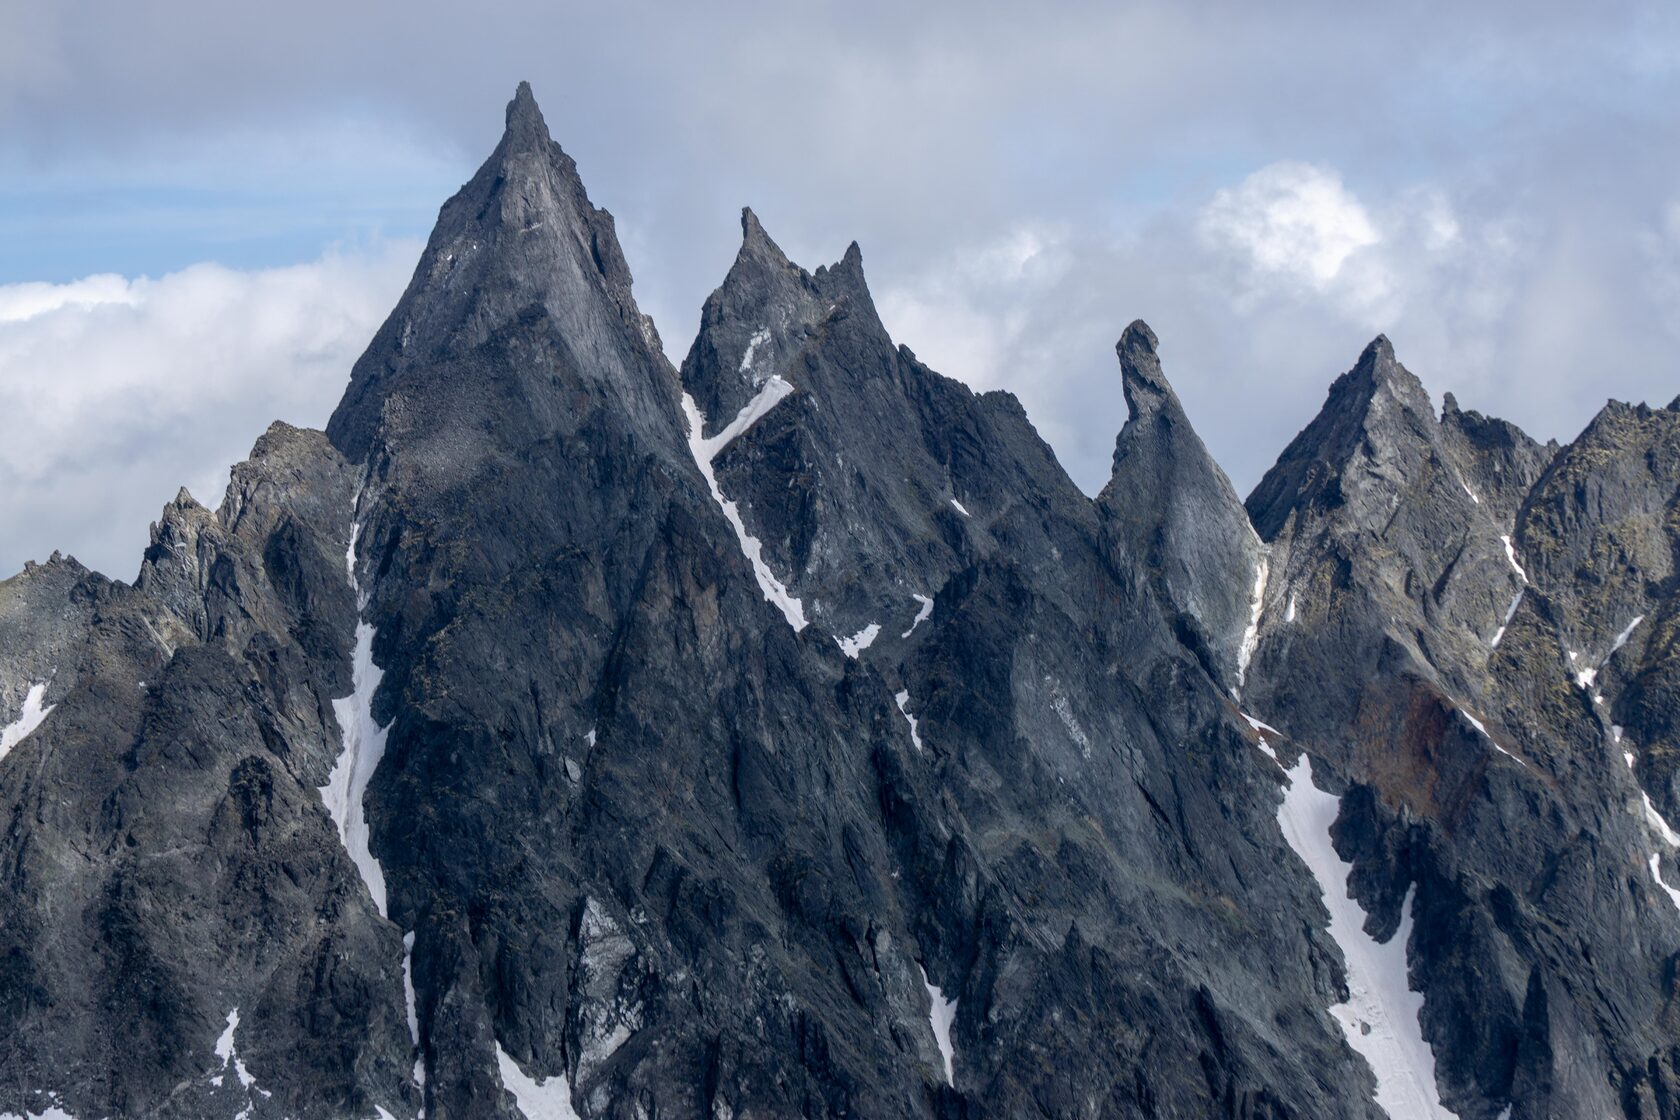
(565, 734)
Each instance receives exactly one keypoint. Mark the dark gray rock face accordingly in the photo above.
(1444, 641)
(1169, 504)
(169, 861)
(566, 734)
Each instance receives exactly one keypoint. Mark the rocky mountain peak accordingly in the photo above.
(526, 128)
(756, 244)
(1377, 374)
(1169, 506)
(520, 261)
(1377, 415)
(1146, 389)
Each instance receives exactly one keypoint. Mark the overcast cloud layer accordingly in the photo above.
(1268, 185)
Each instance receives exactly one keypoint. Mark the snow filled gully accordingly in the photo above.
(361, 749)
(706, 450)
(1380, 1017)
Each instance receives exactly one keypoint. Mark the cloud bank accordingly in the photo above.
(114, 392)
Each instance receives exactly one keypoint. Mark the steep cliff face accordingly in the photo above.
(1170, 507)
(1447, 641)
(566, 734)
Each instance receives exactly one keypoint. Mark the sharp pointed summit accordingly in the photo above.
(1191, 532)
(1379, 409)
(520, 260)
(755, 242)
(525, 124)
(1145, 387)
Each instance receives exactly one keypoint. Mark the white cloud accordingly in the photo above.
(1296, 223)
(116, 391)
(966, 312)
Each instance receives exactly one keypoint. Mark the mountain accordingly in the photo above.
(566, 734)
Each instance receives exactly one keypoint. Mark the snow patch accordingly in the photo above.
(705, 451)
(362, 743)
(1380, 1017)
(942, 1014)
(1483, 731)
(1656, 873)
(363, 747)
(548, 1098)
(350, 555)
(902, 699)
(589, 737)
(228, 1052)
(860, 641)
(1658, 824)
(33, 713)
(1262, 728)
(921, 615)
(1511, 555)
(413, 1014)
(958, 506)
(1289, 612)
(1064, 712)
(759, 338)
(52, 1112)
(1622, 638)
(1510, 613)
(1251, 636)
(1471, 493)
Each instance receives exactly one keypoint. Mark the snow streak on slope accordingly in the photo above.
(759, 338)
(1622, 638)
(1251, 636)
(229, 1054)
(942, 1014)
(860, 641)
(546, 1099)
(1659, 825)
(902, 699)
(1587, 677)
(33, 713)
(419, 1073)
(1481, 729)
(1656, 873)
(921, 615)
(705, 450)
(1380, 1017)
(1510, 613)
(1511, 555)
(363, 745)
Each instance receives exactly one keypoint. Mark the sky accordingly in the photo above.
(206, 208)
